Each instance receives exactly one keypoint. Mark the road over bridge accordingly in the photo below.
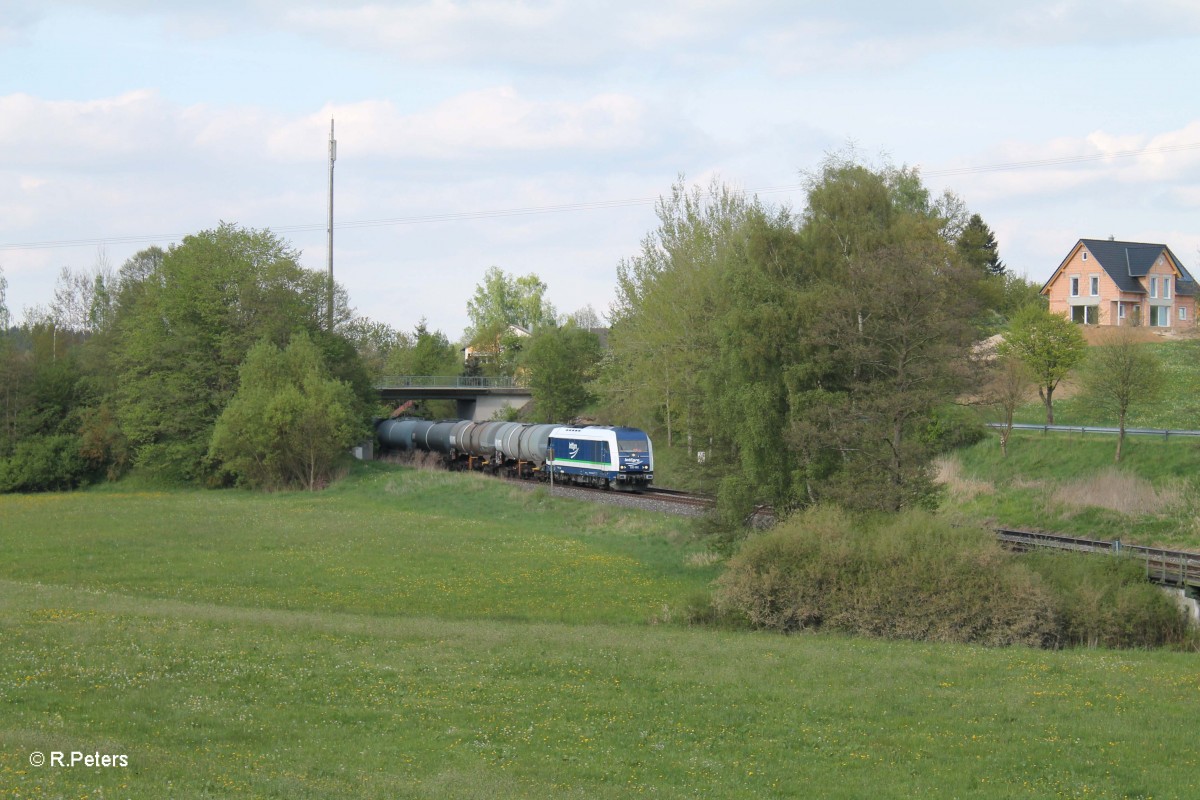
(477, 398)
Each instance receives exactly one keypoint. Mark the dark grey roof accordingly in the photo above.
(1125, 262)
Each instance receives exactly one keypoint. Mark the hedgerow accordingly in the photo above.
(914, 576)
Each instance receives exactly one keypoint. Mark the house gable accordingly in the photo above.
(1103, 281)
(1126, 263)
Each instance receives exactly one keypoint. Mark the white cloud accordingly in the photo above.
(139, 127)
(1131, 165)
(463, 105)
(490, 121)
(782, 34)
(87, 135)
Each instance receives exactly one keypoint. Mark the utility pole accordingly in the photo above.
(332, 158)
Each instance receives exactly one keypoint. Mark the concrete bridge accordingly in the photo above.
(477, 398)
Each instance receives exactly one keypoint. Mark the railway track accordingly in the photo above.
(678, 497)
(761, 517)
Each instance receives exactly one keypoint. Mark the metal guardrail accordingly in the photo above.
(1167, 567)
(1166, 433)
(447, 382)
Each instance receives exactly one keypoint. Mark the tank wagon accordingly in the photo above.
(595, 455)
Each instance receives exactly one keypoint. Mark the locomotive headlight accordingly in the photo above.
(622, 467)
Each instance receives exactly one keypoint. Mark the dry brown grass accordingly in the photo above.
(1101, 334)
(959, 486)
(704, 558)
(1117, 491)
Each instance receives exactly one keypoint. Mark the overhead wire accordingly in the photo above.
(461, 216)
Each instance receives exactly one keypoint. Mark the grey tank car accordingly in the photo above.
(595, 455)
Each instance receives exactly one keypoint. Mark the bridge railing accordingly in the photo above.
(1169, 567)
(448, 382)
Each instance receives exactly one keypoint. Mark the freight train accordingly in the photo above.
(602, 456)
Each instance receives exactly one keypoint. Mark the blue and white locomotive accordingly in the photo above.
(594, 455)
(601, 456)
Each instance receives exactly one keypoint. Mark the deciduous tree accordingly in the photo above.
(1008, 388)
(886, 352)
(562, 362)
(1049, 345)
(1119, 375)
(290, 422)
(427, 352)
(500, 302)
(4, 319)
(187, 319)
(804, 353)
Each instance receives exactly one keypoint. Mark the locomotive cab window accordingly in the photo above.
(632, 445)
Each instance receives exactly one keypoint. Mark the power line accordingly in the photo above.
(595, 205)
(1061, 160)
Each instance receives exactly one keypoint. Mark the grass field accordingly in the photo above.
(1068, 483)
(411, 634)
(1178, 407)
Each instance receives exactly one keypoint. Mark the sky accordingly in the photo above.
(536, 136)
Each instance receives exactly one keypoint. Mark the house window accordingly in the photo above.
(1160, 316)
(1074, 286)
(1095, 285)
(1085, 255)
(1153, 289)
(1085, 315)
(1183, 313)
(1167, 288)
(1120, 311)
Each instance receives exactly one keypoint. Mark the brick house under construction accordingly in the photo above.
(1106, 282)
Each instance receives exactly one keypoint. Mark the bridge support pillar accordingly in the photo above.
(1187, 601)
(486, 406)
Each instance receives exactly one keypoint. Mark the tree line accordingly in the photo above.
(209, 363)
(782, 357)
(152, 367)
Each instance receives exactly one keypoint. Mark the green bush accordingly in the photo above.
(1106, 601)
(911, 577)
(44, 464)
(951, 427)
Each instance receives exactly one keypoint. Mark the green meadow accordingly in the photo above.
(1177, 407)
(411, 634)
(1067, 483)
